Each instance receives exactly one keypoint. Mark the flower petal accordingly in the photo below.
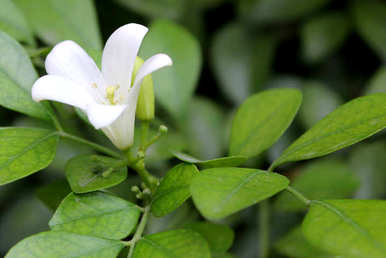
(69, 60)
(101, 115)
(119, 56)
(52, 87)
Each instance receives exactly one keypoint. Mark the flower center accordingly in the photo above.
(110, 94)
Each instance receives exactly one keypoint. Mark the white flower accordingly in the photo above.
(108, 97)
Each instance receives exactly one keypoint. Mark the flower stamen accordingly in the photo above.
(110, 94)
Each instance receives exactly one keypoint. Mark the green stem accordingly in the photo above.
(144, 133)
(138, 233)
(53, 117)
(145, 175)
(264, 229)
(91, 144)
(298, 195)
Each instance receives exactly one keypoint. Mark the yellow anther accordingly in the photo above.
(94, 85)
(110, 94)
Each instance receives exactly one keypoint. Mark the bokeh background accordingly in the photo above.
(333, 51)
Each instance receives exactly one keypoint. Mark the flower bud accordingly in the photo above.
(145, 104)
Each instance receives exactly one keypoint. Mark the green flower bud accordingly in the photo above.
(145, 104)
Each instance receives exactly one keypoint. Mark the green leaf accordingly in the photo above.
(278, 11)
(377, 82)
(17, 76)
(371, 24)
(87, 173)
(53, 193)
(219, 237)
(13, 23)
(180, 243)
(318, 101)
(326, 179)
(174, 189)
(231, 161)
(55, 20)
(219, 192)
(348, 228)
(24, 151)
(262, 119)
(62, 244)
(295, 245)
(96, 214)
(241, 61)
(348, 124)
(323, 35)
(174, 86)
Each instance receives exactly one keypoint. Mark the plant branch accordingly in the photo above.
(138, 233)
(264, 229)
(298, 195)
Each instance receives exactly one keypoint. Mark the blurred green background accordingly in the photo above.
(224, 51)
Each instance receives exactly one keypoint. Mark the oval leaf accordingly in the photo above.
(174, 86)
(348, 228)
(87, 173)
(262, 119)
(96, 214)
(219, 192)
(174, 189)
(348, 124)
(24, 151)
(62, 244)
(17, 76)
(231, 161)
(182, 243)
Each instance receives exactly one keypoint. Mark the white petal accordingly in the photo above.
(69, 60)
(51, 87)
(119, 55)
(101, 115)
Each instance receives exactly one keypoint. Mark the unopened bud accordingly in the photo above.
(163, 129)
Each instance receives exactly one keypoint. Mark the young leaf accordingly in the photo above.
(17, 76)
(219, 192)
(52, 194)
(219, 237)
(174, 189)
(62, 244)
(295, 245)
(323, 35)
(167, 37)
(262, 119)
(24, 151)
(231, 161)
(96, 214)
(348, 124)
(87, 173)
(325, 179)
(55, 21)
(348, 228)
(13, 23)
(182, 243)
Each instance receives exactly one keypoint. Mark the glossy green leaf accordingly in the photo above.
(377, 82)
(371, 24)
(348, 228)
(295, 245)
(278, 11)
(53, 193)
(219, 237)
(24, 151)
(96, 214)
(318, 101)
(219, 192)
(55, 20)
(13, 22)
(323, 35)
(231, 161)
(87, 173)
(262, 119)
(326, 179)
(182, 243)
(241, 61)
(17, 76)
(348, 124)
(62, 244)
(174, 189)
(174, 86)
